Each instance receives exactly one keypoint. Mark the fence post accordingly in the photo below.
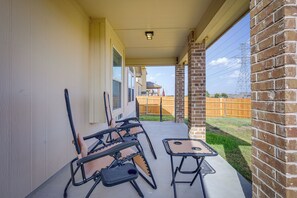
(161, 109)
(225, 108)
(146, 107)
(137, 108)
(221, 107)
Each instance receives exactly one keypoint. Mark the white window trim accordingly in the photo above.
(120, 109)
(132, 87)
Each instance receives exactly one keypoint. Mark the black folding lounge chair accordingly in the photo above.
(128, 127)
(104, 162)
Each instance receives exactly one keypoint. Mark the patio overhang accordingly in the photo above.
(52, 44)
(171, 21)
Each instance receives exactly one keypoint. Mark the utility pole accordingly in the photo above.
(243, 82)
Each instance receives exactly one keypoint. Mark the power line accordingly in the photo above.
(231, 36)
(224, 69)
(217, 78)
(210, 56)
(232, 66)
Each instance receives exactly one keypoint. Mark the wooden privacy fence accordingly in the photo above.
(151, 105)
(215, 107)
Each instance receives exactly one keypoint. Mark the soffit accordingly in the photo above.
(171, 21)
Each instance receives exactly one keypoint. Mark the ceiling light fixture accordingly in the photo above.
(149, 35)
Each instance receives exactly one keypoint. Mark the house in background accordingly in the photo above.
(143, 86)
(141, 73)
(153, 89)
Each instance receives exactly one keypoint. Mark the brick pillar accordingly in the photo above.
(179, 93)
(196, 89)
(274, 105)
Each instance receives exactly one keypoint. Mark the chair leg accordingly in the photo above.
(136, 187)
(66, 187)
(152, 184)
(93, 187)
(68, 183)
(150, 143)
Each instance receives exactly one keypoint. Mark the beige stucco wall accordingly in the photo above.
(143, 79)
(44, 48)
(129, 107)
(102, 41)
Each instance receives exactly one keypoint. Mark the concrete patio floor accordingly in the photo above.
(225, 183)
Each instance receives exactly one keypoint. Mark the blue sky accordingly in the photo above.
(164, 76)
(223, 62)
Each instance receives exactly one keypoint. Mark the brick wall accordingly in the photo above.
(196, 89)
(274, 106)
(179, 93)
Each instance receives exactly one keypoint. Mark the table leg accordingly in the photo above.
(199, 164)
(202, 184)
(200, 176)
(178, 169)
(173, 176)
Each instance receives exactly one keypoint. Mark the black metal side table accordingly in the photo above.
(184, 147)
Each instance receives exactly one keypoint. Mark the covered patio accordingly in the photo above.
(226, 182)
(91, 46)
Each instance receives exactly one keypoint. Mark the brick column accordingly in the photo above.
(274, 105)
(196, 89)
(179, 93)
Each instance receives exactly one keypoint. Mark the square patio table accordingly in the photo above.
(184, 147)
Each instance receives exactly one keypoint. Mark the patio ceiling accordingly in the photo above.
(171, 21)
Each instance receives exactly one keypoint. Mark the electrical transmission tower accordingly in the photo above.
(243, 82)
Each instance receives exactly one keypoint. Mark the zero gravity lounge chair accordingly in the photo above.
(128, 127)
(106, 162)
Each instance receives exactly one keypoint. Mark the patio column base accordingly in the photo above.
(197, 133)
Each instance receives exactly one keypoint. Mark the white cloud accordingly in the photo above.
(220, 61)
(151, 78)
(230, 62)
(234, 74)
(230, 82)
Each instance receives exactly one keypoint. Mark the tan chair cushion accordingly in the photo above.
(103, 162)
(83, 146)
(133, 131)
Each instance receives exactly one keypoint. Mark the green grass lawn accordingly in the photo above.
(156, 118)
(230, 137)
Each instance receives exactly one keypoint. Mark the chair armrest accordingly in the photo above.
(129, 126)
(126, 120)
(113, 150)
(99, 135)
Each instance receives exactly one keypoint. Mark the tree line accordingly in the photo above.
(217, 95)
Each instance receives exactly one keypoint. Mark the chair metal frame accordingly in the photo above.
(126, 124)
(78, 164)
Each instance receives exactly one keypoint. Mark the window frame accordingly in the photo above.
(131, 85)
(114, 49)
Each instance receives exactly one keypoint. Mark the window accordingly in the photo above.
(130, 85)
(117, 80)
